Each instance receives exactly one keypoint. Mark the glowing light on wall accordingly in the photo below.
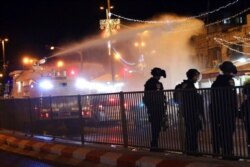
(242, 60)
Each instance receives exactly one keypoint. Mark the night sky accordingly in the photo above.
(31, 25)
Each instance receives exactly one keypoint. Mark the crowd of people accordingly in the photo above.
(223, 109)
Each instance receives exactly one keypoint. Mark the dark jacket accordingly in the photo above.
(223, 107)
(153, 85)
(245, 111)
(191, 102)
(154, 98)
(245, 106)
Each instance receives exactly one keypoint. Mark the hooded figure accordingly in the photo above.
(223, 110)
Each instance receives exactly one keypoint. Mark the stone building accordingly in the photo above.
(229, 40)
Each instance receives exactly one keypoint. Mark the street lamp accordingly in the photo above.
(102, 8)
(52, 48)
(60, 63)
(27, 61)
(140, 45)
(117, 56)
(109, 25)
(3, 49)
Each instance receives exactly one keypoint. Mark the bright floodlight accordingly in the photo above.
(46, 84)
(81, 83)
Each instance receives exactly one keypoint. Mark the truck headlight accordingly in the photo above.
(46, 84)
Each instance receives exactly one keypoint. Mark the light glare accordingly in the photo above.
(60, 63)
(242, 60)
(46, 84)
(81, 83)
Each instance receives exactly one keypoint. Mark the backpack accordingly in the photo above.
(177, 92)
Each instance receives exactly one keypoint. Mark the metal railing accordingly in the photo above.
(204, 121)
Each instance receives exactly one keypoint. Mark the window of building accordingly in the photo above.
(214, 57)
(226, 21)
(234, 52)
(237, 21)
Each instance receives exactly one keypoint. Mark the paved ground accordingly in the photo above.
(69, 155)
(8, 159)
(139, 135)
(16, 157)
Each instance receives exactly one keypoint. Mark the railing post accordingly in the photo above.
(31, 120)
(124, 120)
(1, 115)
(81, 120)
(13, 117)
(51, 116)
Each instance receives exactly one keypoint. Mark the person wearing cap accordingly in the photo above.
(223, 110)
(154, 99)
(191, 109)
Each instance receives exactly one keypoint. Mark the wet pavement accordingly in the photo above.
(15, 157)
(8, 159)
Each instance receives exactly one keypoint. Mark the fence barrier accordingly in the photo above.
(202, 121)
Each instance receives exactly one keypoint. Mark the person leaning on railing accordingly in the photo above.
(223, 110)
(245, 112)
